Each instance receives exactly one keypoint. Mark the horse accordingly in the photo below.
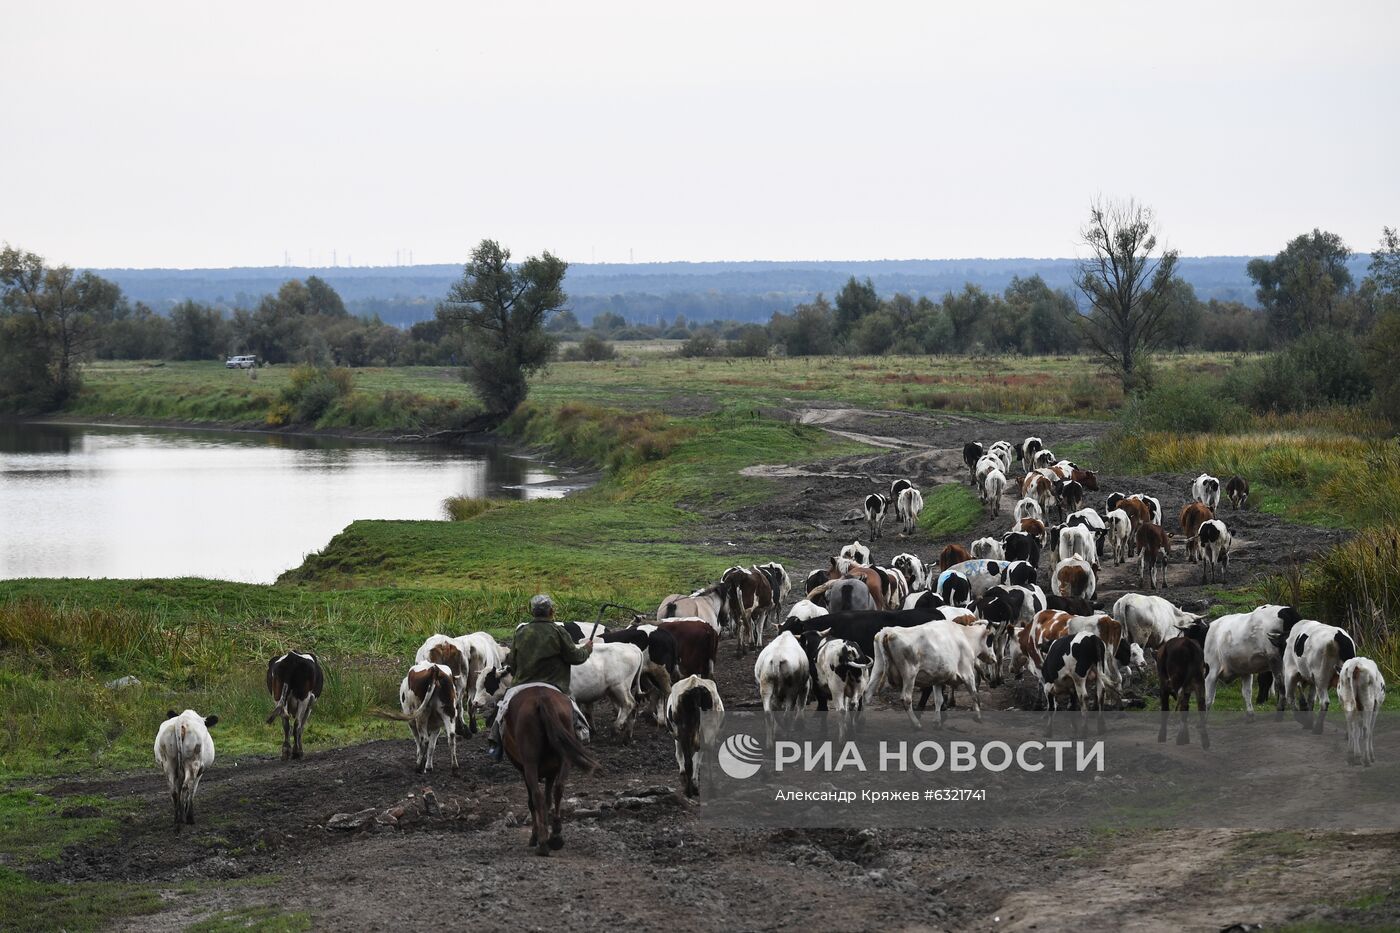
(537, 735)
(840, 567)
(708, 603)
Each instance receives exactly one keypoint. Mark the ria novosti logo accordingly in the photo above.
(741, 756)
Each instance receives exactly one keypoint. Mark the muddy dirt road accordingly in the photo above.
(636, 858)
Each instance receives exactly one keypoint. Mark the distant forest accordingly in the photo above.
(656, 293)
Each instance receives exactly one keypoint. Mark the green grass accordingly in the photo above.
(950, 510)
(35, 827)
(26, 904)
(267, 918)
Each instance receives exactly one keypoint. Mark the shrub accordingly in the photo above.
(310, 394)
(752, 341)
(1318, 370)
(591, 349)
(1184, 407)
(702, 344)
(463, 508)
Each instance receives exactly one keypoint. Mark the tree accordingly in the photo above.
(1302, 286)
(808, 331)
(503, 310)
(198, 332)
(1127, 286)
(63, 311)
(1385, 269)
(853, 302)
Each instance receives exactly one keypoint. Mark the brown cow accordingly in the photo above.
(750, 602)
(1238, 491)
(1153, 546)
(697, 645)
(1193, 515)
(1139, 513)
(952, 554)
(1074, 577)
(1181, 670)
(1089, 479)
(873, 580)
(1035, 528)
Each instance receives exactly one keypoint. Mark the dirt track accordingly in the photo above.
(645, 861)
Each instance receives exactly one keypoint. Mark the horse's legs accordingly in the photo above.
(531, 773)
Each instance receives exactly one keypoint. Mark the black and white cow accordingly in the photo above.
(1206, 488)
(1244, 644)
(972, 452)
(1216, 541)
(913, 570)
(875, 507)
(1021, 545)
(1313, 654)
(854, 551)
(1073, 664)
(295, 681)
(694, 715)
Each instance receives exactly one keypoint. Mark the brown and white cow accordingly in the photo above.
(1193, 515)
(1074, 577)
(428, 699)
(441, 649)
(295, 681)
(750, 604)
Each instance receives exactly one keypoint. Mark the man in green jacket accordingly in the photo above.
(541, 653)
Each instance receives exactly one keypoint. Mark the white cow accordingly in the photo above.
(908, 507)
(694, 715)
(855, 551)
(1002, 451)
(1361, 691)
(183, 751)
(1078, 541)
(805, 609)
(1151, 621)
(1120, 535)
(1216, 541)
(1206, 488)
(783, 674)
(614, 671)
(987, 548)
(913, 570)
(1247, 643)
(933, 655)
(1027, 508)
(1312, 655)
(483, 653)
(993, 486)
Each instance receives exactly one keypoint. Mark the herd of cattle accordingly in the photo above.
(975, 617)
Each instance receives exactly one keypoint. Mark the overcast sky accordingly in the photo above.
(200, 134)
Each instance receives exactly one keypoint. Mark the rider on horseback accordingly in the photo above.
(542, 653)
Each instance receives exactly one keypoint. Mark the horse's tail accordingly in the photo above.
(563, 741)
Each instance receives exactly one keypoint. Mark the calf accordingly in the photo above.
(183, 751)
(1154, 545)
(856, 552)
(907, 508)
(993, 487)
(1206, 488)
(842, 674)
(694, 715)
(952, 554)
(913, 570)
(1072, 664)
(1181, 671)
(695, 649)
(875, 507)
(987, 549)
(1312, 655)
(1215, 540)
(1193, 515)
(783, 674)
(937, 654)
(1074, 577)
(972, 452)
(428, 700)
(1361, 691)
(1238, 491)
(295, 681)
(1247, 643)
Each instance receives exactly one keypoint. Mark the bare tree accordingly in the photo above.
(1128, 287)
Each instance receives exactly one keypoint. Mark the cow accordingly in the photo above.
(1313, 653)
(1181, 671)
(856, 552)
(1361, 691)
(1002, 450)
(925, 599)
(660, 664)
(428, 699)
(814, 579)
(874, 580)
(783, 674)
(843, 596)
(952, 554)
(1039, 487)
(695, 649)
(1089, 479)
(972, 452)
(482, 654)
(993, 487)
(1027, 508)
(1139, 514)
(954, 588)
(1216, 542)
(861, 627)
(841, 672)
(1206, 488)
(1120, 535)
(709, 603)
(613, 671)
(1069, 496)
(896, 488)
(1029, 448)
(1051, 624)
(805, 609)
(1072, 664)
(937, 654)
(1006, 608)
(694, 715)
(1154, 507)
(1019, 573)
(986, 466)
(875, 507)
(1247, 643)
(1074, 578)
(1044, 459)
(441, 649)
(1021, 545)
(1090, 519)
(1154, 546)
(295, 681)
(987, 549)
(1152, 621)
(895, 585)
(982, 575)
(1237, 489)
(184, 750)
(907, 508)
(779, 582)
(913, 570)
(1193, 515)
(1078, 541)
(750, 605)
(1033, 527)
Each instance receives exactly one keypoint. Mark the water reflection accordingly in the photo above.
(137, 502)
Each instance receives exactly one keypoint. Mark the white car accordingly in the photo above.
(241, 362)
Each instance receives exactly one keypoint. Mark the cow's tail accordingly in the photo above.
(564, 742)
(281, 708)
(418, 715)
(880, 665)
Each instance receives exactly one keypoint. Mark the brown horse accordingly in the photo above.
(538, 736)
(840, 567)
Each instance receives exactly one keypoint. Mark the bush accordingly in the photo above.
(463, 508)
(1315, 371)
(702, 344)
(751, 341)
(592, 349)
(1189, 406)
(310, 394)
